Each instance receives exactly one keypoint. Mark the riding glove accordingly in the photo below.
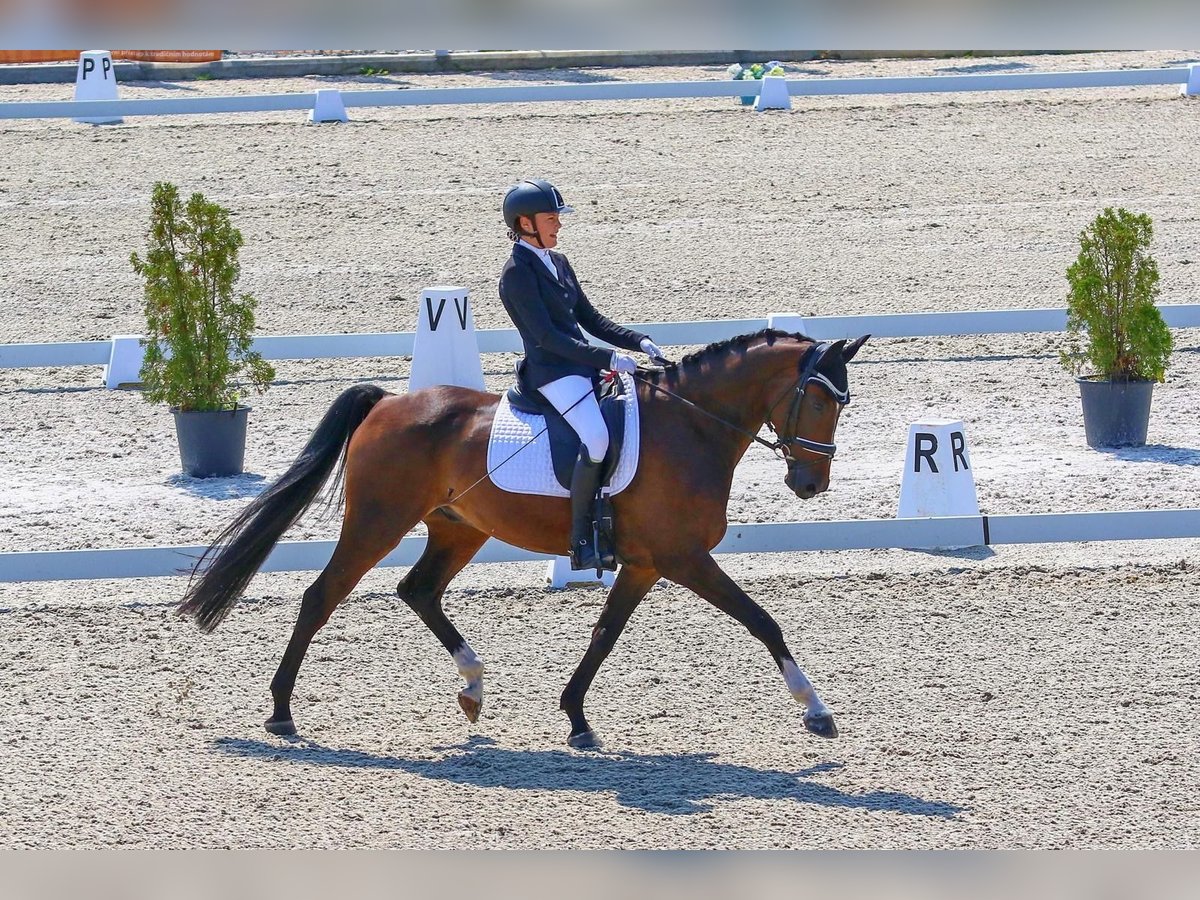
(623, 362)
(651, 349)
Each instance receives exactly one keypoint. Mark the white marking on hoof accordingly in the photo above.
(802, 690)
(470, 667)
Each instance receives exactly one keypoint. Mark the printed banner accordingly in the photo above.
(33, 56)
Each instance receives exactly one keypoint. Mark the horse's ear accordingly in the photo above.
(850, 349)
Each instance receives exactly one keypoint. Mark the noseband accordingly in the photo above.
(783, 446)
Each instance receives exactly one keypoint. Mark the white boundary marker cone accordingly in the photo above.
(1192, 87)
(774, 94)
(445, 349)
(559, 574)
(124, 361)
(95, 79)
(938, 478)
(793, 322)
(328, 107)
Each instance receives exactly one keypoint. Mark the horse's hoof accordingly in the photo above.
(821, 725)
(585, 740)
(470, 706)
(280, 726)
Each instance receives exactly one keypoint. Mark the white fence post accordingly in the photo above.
(124, 361)
(537, 93)
(760, 537)
(774, 94)
(1191, 88)
(328, 107)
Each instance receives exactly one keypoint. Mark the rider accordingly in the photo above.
(547, 304)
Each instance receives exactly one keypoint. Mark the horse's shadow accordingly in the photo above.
(673, 784)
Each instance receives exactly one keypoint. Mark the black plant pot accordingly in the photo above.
(213, 443)
(1115, 413)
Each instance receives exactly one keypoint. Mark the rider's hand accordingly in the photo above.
(651, 349)
(623, 362)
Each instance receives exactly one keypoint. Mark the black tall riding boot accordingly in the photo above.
(584, 482)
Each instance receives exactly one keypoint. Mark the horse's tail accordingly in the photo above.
(250, 537)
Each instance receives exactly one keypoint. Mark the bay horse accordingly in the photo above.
(421, 457)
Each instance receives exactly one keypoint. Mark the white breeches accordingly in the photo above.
(583, 416)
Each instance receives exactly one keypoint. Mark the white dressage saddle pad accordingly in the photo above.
(520, 467)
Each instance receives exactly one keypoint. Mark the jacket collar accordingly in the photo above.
(527, 257)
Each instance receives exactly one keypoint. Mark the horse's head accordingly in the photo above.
(805, 418)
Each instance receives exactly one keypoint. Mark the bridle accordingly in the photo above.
(782, 446)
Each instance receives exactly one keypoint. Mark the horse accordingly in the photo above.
(422, 457)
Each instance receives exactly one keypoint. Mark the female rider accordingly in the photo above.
(543, 297)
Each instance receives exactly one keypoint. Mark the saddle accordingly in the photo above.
(564, 442)
(564, 450)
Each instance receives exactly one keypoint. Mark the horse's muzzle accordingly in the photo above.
(805, 482)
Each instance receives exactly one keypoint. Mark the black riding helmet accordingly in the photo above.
(527, 198)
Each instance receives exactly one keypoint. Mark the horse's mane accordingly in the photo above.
(718, 349)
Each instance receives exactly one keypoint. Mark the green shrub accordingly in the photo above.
(1113, 327)
(198, 332)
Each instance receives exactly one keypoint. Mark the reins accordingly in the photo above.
(782, 446)
(773, 446)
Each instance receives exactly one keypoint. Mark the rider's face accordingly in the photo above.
(546, 225)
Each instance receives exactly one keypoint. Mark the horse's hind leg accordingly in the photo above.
(701, 574)
(630, 587)
(369, 533)
(450, 546)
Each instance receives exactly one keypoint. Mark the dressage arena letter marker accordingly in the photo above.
(124, 361)
(926, 445)
(773, 94)
(938, 479)
(443, 354)
(559, 574)
(328, 107)
(460, 306)
(95, 79)
(958, 448)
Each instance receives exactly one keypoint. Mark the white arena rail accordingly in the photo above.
(864, 534)
(506, 340)
(797, 87)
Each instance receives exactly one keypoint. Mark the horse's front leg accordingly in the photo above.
(700, 573)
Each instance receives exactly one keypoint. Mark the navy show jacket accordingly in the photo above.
(548, 313)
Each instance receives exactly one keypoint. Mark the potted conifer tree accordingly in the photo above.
(198, 330)
(1118, 344)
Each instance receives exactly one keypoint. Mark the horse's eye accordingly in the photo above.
(819, 406)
